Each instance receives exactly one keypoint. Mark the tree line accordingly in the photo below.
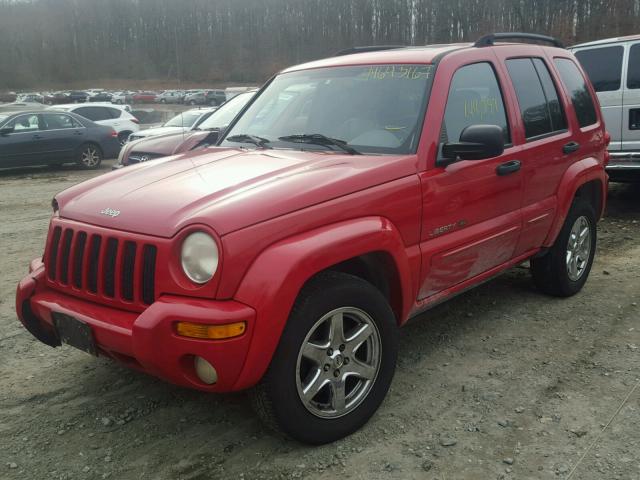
(63, 41)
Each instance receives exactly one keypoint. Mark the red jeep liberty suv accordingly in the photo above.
(351, 194)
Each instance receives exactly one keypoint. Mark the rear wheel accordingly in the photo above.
(334, 363)
(564, 269)
(89, 156)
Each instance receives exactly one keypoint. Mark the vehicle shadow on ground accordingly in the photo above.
(623, 199)
(51, 170)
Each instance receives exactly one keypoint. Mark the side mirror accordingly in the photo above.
(477, 142)
(6, 130)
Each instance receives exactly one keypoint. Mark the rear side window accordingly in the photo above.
(94, 114)
(603, 67)
(60, 121)
(556, 111)
(633, 77)
(537, 97)
(474, 99)
(115, 113)
(578, 92)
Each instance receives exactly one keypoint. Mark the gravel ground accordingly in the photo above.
(499, 383)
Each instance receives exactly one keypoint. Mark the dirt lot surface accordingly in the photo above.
(501, 382)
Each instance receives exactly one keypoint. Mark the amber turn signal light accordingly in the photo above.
(210, 332)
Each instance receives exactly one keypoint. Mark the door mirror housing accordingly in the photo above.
(477, 142)
(6, 130)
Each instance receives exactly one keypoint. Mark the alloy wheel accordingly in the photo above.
(338, 362)
(578, 248)
(90, 157)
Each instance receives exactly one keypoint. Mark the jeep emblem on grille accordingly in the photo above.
(110, 212)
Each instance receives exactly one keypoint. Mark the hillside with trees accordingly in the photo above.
(58, 41)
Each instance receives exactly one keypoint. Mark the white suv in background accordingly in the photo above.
(613, 65)
(111, 115)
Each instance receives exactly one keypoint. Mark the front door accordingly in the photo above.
(471, 208)
(25, 145)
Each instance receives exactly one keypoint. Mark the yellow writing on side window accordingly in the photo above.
(481, 108)
(407, 72)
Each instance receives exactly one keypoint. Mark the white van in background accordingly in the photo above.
(613, 65)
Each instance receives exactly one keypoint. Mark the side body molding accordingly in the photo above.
(275, 278)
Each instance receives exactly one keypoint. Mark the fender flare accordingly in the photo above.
(575, 176)
(272, 283)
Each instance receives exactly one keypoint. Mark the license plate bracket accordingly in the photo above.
(74, 332)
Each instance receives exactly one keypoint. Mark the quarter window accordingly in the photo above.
(474, 99)
(537, 96)
(603, 67)
(578, 92)
(633, 77)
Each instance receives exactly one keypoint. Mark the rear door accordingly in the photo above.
(547, 148)
(603, 65)
(631, 108)
(64, 135)
(471, 209)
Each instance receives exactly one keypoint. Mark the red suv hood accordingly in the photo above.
(227, 189)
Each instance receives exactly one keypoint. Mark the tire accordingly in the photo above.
(123, 137)
(162, 100)
(89, 156)
(330, 298)
(557, 272)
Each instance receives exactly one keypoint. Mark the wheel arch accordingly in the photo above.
(370, 248)
(584, 179)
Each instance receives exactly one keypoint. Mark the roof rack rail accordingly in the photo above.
(367, 48)
(490, 39)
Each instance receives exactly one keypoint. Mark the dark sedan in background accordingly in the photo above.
(54, 138)
(203, 133)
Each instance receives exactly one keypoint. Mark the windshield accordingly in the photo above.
(371, 108)
(227, 112)
(186, 119)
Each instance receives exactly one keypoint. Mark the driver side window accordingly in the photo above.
(25, 123)
(474, 99)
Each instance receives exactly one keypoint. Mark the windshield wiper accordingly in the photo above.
(319, 139)
(246, 138)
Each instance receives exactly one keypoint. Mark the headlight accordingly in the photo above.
(199, 257)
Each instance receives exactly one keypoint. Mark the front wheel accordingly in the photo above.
(334, 363)
(89, 156)
(564, 269)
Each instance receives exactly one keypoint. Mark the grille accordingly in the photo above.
(102, 265)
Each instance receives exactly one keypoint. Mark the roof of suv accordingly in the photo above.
(605, 41)
(409, 54)
(426, 54)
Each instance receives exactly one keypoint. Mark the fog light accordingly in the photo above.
(205, 371)
(211, 332)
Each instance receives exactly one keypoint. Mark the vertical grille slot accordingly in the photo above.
(64, 259)
(78, 255)
(53, 254)
(109, 267)
(94, 258)
(148, 274)
(126, 275)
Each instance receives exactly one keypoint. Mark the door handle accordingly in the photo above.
(508, 167)
(77, 132)
(37, 137)
(570, 148)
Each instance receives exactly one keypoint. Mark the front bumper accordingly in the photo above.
(145, 341)
(624, 167)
